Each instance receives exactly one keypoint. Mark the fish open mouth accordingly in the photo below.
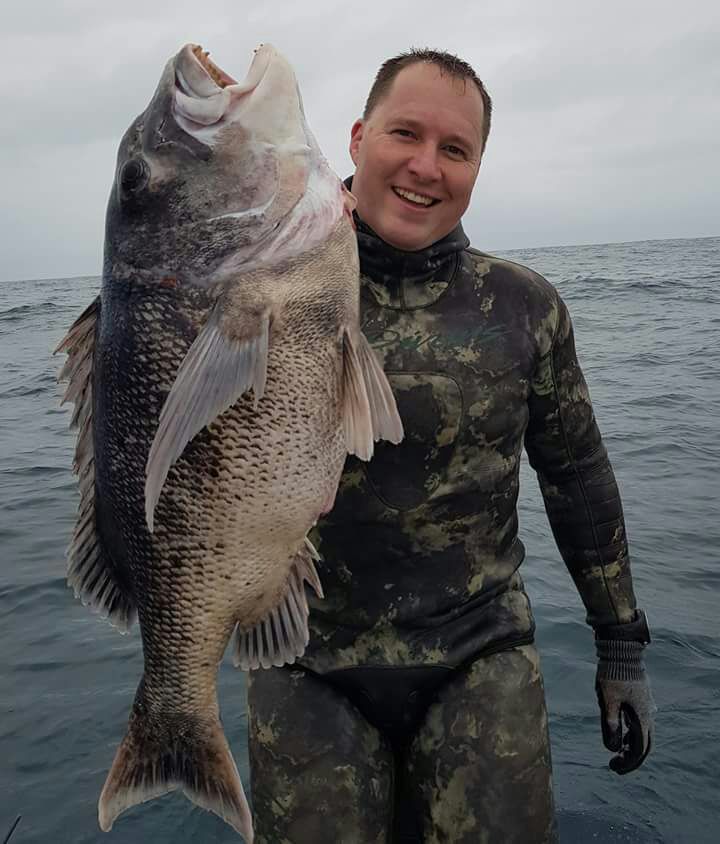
(217, 74)
(205, 93)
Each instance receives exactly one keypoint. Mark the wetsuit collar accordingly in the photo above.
(403, 279)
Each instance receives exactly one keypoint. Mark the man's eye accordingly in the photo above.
(456, 152)
(405, 133)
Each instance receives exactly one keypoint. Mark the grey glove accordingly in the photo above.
(625, 699)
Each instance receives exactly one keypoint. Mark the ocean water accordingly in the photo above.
(647, 321)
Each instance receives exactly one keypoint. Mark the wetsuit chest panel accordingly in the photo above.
(460, 368)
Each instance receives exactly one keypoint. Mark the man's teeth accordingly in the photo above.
(414, 197)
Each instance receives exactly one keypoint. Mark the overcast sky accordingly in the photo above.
(606, 119)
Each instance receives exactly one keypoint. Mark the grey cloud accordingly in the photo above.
(605, 120)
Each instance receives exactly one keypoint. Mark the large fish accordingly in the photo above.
(219, 380)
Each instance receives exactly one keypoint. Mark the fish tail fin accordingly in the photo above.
(184, 752)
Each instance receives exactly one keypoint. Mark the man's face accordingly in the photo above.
(417, 156)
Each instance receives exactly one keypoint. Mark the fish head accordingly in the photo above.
(211, 168)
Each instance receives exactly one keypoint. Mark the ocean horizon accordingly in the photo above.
(499, 252)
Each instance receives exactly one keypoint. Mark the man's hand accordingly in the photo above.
(626, 703)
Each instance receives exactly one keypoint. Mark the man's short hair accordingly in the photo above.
(446, 62)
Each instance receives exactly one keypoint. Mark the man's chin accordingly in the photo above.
(407, 238)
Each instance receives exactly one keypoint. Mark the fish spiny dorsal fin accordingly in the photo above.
(90, 570)
(281, 637)
(169, 751)
(369, 409)
(227, 358)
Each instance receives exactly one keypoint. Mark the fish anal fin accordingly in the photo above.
(369, 409)
(228, 357)
(175, 751)
(91, 572)
(282, 635)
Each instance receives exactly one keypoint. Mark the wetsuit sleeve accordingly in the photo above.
(581, 497)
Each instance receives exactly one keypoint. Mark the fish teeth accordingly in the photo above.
(203, 56)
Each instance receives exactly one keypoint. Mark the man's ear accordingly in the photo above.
(356, 134)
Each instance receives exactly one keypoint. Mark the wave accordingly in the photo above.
(21, 311)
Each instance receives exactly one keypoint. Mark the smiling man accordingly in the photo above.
(417, 713)
(417, 155)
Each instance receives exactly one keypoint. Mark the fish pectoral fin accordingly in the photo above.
(228, 357)
(91, 572)
(281, 637)
(173, 752)
(369, 409)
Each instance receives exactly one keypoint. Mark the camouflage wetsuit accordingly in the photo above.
(418, 712)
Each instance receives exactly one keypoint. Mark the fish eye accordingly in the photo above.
(133, 175)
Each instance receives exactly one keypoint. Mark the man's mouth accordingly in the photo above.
(419, 200)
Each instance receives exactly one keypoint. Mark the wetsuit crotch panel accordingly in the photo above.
(392, 698)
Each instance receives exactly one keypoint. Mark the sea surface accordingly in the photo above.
(647, 322)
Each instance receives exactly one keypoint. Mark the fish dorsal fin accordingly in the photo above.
(369, 409)
(227, 358)
(281, 637)
(90, 570)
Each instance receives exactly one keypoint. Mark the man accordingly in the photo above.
(417, 713)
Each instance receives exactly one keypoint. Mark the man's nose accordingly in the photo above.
(424, 163)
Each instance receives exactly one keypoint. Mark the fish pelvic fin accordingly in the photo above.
(369, 409)
(282, 636)
(228, 357)
(183, 752)
(91, 572)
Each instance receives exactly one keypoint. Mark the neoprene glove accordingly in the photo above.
(623, 691)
